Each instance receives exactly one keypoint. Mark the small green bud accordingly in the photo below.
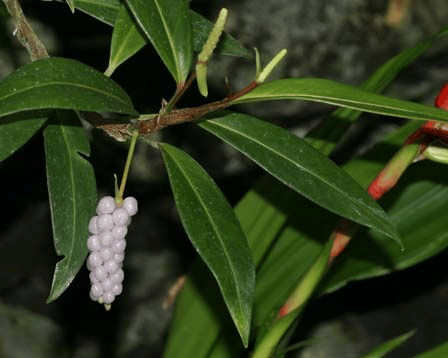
(270, 66)
(436, 154)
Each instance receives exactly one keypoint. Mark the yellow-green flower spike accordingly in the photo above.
(270, 66)
(213, 38)
(207, 50)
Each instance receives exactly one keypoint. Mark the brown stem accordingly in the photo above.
(122, 132)
(24, 32)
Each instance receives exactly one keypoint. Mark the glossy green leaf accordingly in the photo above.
(331, 92)
(167, 25)
(71, 4)
(384, 348)
(437, 352)
(61, 83)
(269, 202)
(298, 165)
(17, 129)
(72, 194)
(127, 40)
(215, 232)
(107, 11)
(103, 10)
(325, 136)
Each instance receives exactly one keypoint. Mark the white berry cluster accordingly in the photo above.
(106, 246)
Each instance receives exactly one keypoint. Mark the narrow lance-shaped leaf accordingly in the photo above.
(331, 92)
(385, 348)
(103, 10)
(435, 352)
(72, 193)
(61, 83)
(167, 25)
(215, 232)
(127, 40)
(298, 165)
(304, 246)
(17, 129)
(325, 136)
(107, 11)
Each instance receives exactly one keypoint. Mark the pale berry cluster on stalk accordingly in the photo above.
(106, 245)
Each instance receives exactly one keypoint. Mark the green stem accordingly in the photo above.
(294, 306)
(178, 94)
(119, 195)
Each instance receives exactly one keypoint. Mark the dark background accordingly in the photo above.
(335, 39)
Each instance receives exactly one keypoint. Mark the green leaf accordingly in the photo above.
(381, 350)
(61, 83)
(298, 165)
(325, 136)
(326, 91)
(215, 232)
(103, 10)
(437, 352)
(17, 129)
(261, 213)
(71, 5)
(72, 193)
(107, 11)
(167, 25)
(127, 40)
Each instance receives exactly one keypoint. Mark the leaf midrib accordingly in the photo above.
(76, 85)
(289, 160)
(215, 229)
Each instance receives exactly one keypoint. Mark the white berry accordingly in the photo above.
(118, 276)
(120, 217)
(119, 232)
(107, 254)
(95, 259)
(130, 204)
(106, 238)
(93, 243)
(106, 205)
(96, 290)
(105, 222)
(118, 258)
(117, 289)
(118, 246)
(111, 266)
(108, 298)
(106, 284)
(93, 227)
(100, 273)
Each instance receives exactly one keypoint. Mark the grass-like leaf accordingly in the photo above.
(167, 25)
(64, 84)
(301, 167)
(325, 136)
(72, 193)
(215, 232)
(436, 352)
(384, 348)
(331, 92)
